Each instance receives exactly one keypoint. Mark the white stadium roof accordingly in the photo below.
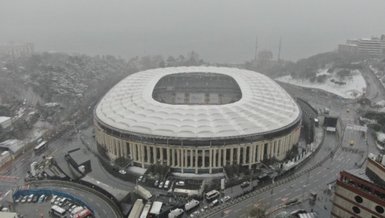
(264, 107)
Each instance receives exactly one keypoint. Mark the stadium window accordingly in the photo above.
(379, 209)
(358, 199)
(356, 210)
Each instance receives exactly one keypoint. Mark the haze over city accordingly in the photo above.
(219, 30)
(192, 108)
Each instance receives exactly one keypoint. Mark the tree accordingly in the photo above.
(257, 212)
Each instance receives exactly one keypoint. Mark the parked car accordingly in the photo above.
(226, 198)
(29, 199)
(123, 172)
(17, 200)
(156, 183)
(140, 178)
(24, 199)
(35, 198)
(214, 202)
(167, 184)
(41, 198)
(245, 184)
(180, 183)
(161, 184)
(54, 197)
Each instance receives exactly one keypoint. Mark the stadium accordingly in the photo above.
(197, 119)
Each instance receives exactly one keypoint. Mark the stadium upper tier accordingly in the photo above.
(197, 103)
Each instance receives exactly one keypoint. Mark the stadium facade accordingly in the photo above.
(197, 119)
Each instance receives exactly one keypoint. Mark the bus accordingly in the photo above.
(146, 210)
(40, 147)
(57, 211)
(142, 192)
(211, 195)
(155, 209)
(136, 209)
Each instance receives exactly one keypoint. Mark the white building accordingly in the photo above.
(197, 119)
(374, 46)
(5, 122)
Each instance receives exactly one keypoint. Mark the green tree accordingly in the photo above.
(257, 212)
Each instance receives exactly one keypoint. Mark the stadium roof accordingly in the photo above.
(263, 108)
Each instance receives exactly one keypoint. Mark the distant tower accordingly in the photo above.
(256, 48)
(279, 50)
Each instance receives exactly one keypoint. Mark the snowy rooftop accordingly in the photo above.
(263, 107)
(13, 145)
(4, 119)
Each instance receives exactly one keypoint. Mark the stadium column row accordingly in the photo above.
(196, 159)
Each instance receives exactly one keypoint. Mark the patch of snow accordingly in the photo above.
(353, 88)
(136, 170)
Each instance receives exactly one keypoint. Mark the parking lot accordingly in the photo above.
(45, 205)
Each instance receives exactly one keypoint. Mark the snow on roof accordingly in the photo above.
(264, 107)
(13, 145)
(380, 136)
(4, 119)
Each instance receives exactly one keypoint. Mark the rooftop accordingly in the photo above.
(263, 106)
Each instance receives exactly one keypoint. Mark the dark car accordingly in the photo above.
(245, 184)
(35, 198)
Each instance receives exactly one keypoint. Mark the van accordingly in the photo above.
(167, 184)
(211, 195)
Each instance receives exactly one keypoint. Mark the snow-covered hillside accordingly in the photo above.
(351, 86)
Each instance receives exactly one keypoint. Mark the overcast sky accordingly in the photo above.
(219, 30)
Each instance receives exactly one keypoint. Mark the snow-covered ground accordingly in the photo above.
(354, 86)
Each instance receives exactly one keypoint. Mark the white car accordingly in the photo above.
(180, 183)
(167, 184)
(160, 185)
(226, 198)
(123, 172)
(140, 178)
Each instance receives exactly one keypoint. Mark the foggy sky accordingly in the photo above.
(219, 30)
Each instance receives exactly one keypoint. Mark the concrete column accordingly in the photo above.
(148, 154)
(250, 156)
(178, 163)
(134, 152)
(142, 155)
(203, 158)
(244, 148)
(196, 160)
(231, 155)
(191, 158)
(181, 156)
(153, 154)
(168, 156)
(259, 153)
(186, 163)
(161, 155)
(210, 159)
(215, 157)
(224, 150)
(172, 156)
(239, 155)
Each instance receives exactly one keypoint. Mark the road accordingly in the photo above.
(99, 205)
(318, 178)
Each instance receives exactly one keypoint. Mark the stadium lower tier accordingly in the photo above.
(196, 159)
